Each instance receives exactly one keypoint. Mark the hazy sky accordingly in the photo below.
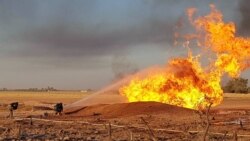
(73, 44)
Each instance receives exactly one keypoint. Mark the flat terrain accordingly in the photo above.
(128, 121)
(235, 101)
(41, 97)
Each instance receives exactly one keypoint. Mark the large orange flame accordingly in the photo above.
(233, 53)
(184, 82)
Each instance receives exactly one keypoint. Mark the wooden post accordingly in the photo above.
(208, 123)
(110, 132)
(131, 136)
(11, 113)
(31, 122)
(241, 124)
(235, 136)
(20, 132)
(225, 135)
(105, 126)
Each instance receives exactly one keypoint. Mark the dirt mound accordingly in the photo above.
(130, 109)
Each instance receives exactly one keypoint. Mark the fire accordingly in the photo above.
(233, 52)
(184, 82)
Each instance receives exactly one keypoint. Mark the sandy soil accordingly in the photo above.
(137, 121)
(66, 97)
(235, 101)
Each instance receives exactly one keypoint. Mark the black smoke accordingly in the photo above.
(244, 9)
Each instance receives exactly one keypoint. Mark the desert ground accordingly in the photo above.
(35, 119)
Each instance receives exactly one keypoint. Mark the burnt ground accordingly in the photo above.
(133, 121)
(224, 124)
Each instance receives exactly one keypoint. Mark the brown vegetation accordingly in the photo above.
(126, 121)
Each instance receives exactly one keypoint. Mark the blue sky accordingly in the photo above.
(86, 44)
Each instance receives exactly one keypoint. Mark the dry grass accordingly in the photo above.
(29, 100)
(165, 126)
(41, 97)
(235, 101)
(236, 95)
